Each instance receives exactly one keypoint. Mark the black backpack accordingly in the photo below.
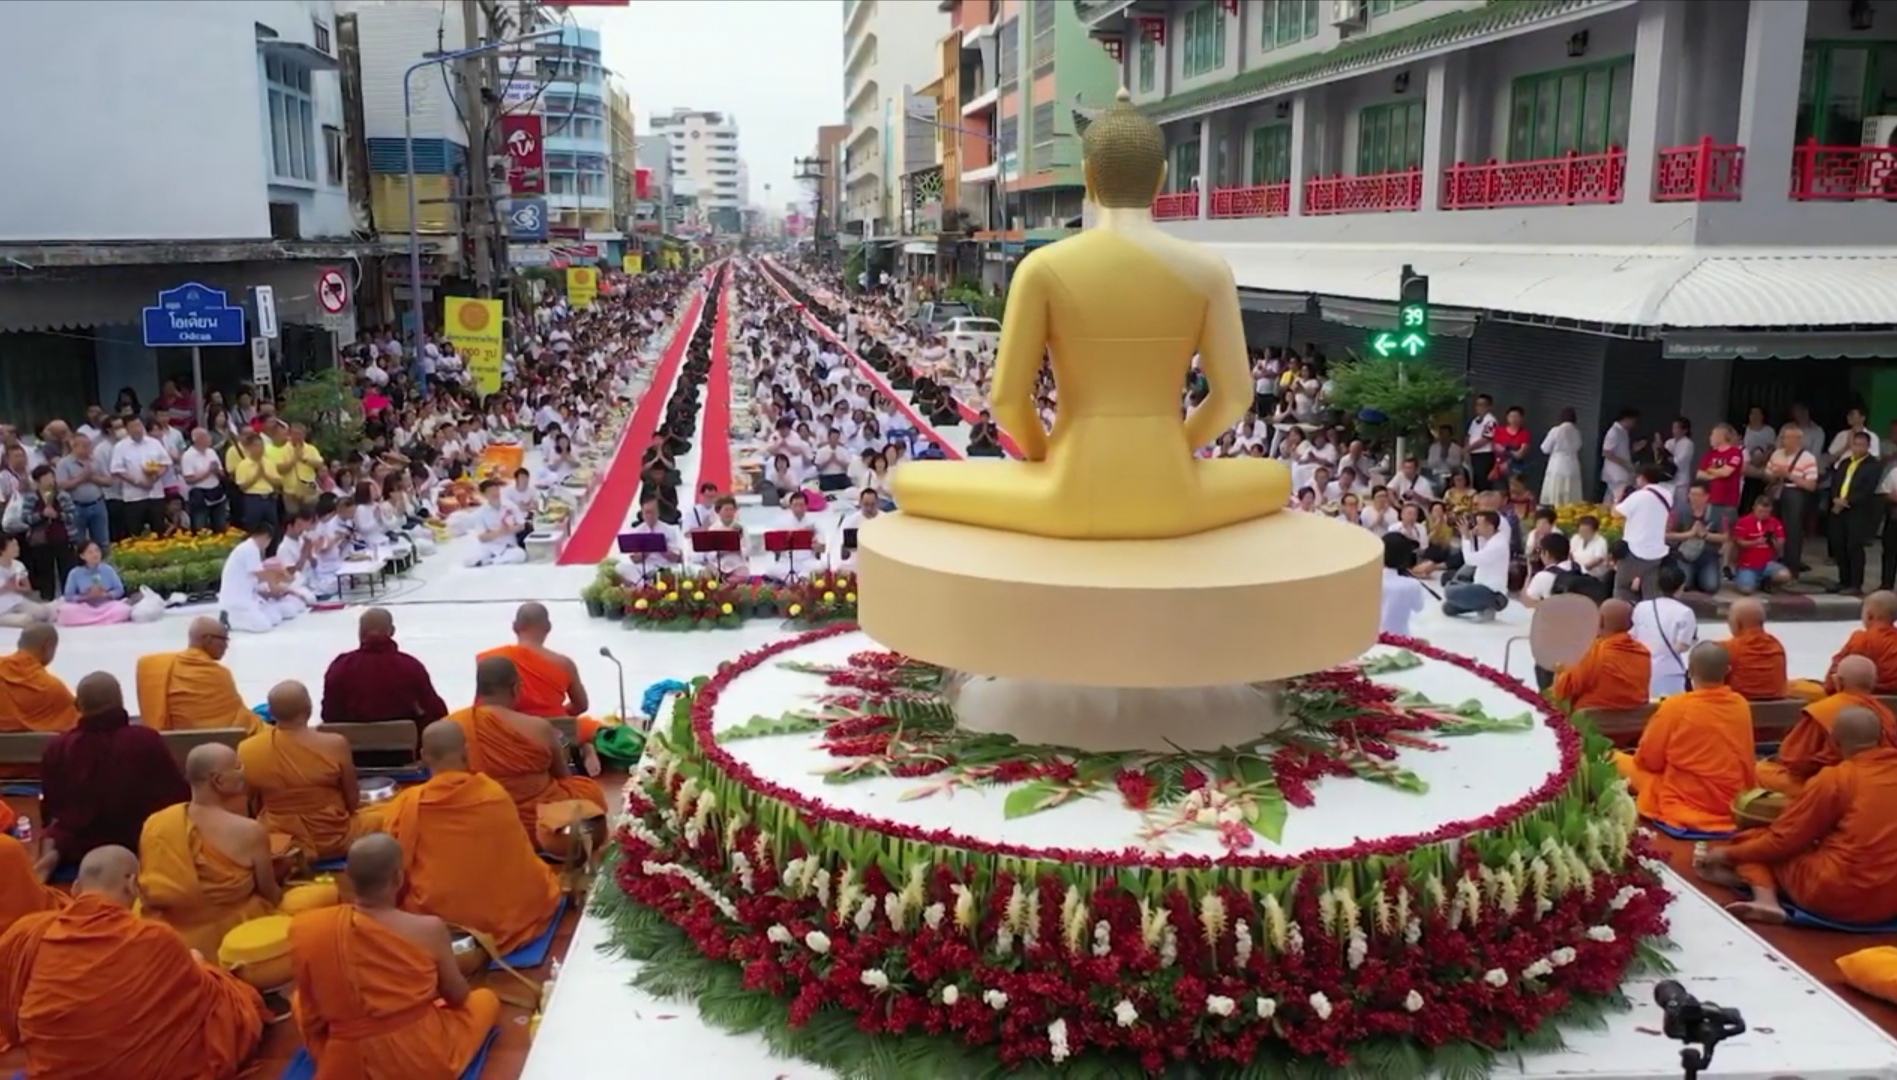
(1581, 583)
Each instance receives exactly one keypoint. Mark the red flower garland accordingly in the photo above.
(1295, 774)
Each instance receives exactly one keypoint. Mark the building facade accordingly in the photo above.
(1618, 202)
(574, 105)
(889, 52)
(241, 179)
(823, 175)
(704, 150)
(653, 215)
(624, 158)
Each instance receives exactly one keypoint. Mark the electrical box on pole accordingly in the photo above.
(1410, 339)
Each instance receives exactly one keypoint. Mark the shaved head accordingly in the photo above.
(1857, 728)
(111, 872)
(376, 624)
(204, 629)
(375, 864)
(445, 747)
(1880, 607)
(1857, 674)
(497, 677)
(289, 703)
(204, 763)
(1708, 664)
(40, 639)
(98, 693)
(1746, 614)
(532, 619)
(1617, 617)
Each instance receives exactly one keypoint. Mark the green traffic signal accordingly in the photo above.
(1413, 316)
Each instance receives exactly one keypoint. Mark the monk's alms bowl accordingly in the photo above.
(258, 952)
(376, 789)
(1759, 808)
(469, 956)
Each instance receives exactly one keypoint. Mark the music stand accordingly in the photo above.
(717, 542)
(642, 544)
(781, 542)
(849, 542)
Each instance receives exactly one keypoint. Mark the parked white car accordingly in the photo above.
(973, 334)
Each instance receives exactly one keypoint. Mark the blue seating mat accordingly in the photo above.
(303, 1066)
(64, 874)
(535, 952)
(330, 866)
(1797, 916)
(1678, 833)
(20, 789)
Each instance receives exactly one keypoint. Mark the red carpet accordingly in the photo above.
(598, 528)
(875, 377)
(714, 442)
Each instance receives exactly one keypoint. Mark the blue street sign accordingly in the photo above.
(192, 315)
(527, 219)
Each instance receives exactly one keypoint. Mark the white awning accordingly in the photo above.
(1657, 287)
(919, 247)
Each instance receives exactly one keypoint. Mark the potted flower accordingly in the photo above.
(767, 601)
(594, 594)
(612, 600)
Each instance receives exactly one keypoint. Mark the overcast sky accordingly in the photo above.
(776, 65)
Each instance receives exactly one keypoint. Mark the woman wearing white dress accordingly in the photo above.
(1561, 484)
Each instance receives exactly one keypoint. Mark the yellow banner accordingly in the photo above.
(632, 263)
(582, 285)
(475, 330)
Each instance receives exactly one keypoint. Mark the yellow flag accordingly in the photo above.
(475, 330)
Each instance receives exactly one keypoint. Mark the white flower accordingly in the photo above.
(1004, 940)
(1412, 931)
(1537, 969)
(1168, 947)
(1102, 938)
(1124, 1014)
(1412, 1002)
(1057, 1041)
(820, 884)
(933, 914)
(951, 994)
(995, 1000)
(1241, 943)
(777, 935)
(865, 912)
(896, 912)
(1267, 1008)
(875, 979)
(1321, 1005)
(1231, 813)
(817, 942)
(1601, 933)
(1561, 957)
(1358, 950)
(965, 915)
(1624, 897)
(1216, 1005)
(1495, 977)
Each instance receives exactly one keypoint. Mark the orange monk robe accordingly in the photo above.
(93, 992)
(187, 690)
(466, 862)
(543, 687)
(366, 1002)
(1833, 851)
(21, 893)
(1614, 674)
(299, 793)
(1695, 757)
(1878, 643)
(1810, 745)
(520, 765)
(33, 698)
(186, 883)
(1758, 665)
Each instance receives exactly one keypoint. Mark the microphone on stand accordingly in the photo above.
(608, 654)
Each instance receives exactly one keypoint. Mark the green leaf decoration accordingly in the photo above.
(1389, 663)
(1269, 812)
(1032, 798)
(760, 727)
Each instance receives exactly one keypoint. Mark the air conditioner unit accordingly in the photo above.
(1880, 131)
(1350, 14)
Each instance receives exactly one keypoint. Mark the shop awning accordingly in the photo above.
(1648, 287)
(919, 247)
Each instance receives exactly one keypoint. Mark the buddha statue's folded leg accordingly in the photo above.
(1238, 489)
(1010, 495)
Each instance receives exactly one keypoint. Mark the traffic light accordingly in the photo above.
(1410, 339)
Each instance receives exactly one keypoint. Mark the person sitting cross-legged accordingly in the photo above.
(523, 753)
(1812, 744)
(1696, 755)
(204, 868)
(305, 779)
(1615, 672)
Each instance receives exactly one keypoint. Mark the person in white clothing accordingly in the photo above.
(497, 528)
(733, 566)
(296, 555)
(139, 463)
(19, 604)
(790, 565)
(1485, 553)
(868, 505)
(1402, 593)
(249, 595)
(1618, 448)
(636, 569)
(1646, 510)
(1668, 628)
(1561, 482)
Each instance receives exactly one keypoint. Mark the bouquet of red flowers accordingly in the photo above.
(825, 597)
(672, 602)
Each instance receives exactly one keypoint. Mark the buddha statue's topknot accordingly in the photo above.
(1125, 155)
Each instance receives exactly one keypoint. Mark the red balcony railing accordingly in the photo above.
(1376, 194)
(1703, 172)
(1572, 179)
(1257, 200)
(1843, 173)
(1180, 206)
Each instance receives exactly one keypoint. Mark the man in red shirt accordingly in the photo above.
(1722, 468)
(378, 681)
(1760, 537)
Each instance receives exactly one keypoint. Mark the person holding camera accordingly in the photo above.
(1485, 556)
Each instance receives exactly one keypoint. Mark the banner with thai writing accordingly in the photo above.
(582, 286)
(475, 331)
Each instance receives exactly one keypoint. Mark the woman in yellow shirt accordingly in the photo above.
(257, 483)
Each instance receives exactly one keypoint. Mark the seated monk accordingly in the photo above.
(23, 890)
(31, 697)
(1614, 673)
(304, 779)
(1758, 658)
(203, 869)
(93, 992)
(549, 681)
(101, 780)
(1877, 639)
(1833, 852)
(1811, 745)
(1696, 755)
(193, 690)
(378, 995)
(463, 857)
(378, 681)
(523, 753)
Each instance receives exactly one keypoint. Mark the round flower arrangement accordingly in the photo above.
(876, 948)
(667, 602)
(824, 598)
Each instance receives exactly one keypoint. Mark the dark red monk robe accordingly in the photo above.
(379, 682)
(101, 780)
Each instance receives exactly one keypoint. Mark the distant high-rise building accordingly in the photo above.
(704, 151)
(890, 51)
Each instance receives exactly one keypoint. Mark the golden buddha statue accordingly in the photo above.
(1122, 308)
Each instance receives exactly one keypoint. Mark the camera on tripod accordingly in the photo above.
(1703, 1025)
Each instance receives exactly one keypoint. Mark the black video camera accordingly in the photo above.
(1701, 1025)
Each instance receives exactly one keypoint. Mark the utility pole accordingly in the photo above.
(813, 170)
(476, 97)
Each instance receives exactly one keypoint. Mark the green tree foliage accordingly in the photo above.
(1408, 394)
(327, 405)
